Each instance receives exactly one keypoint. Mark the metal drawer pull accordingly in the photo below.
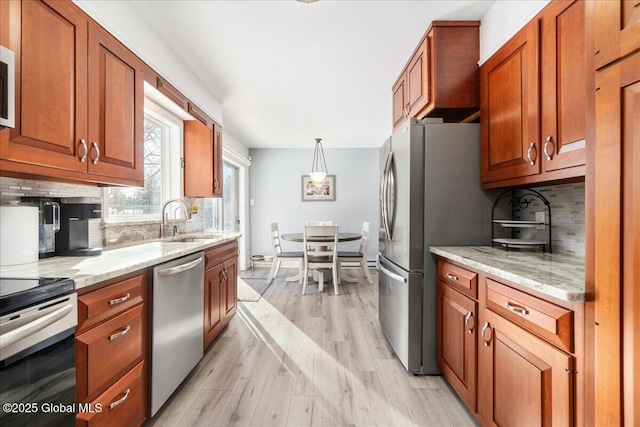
(119, 334)
(95, 147)
(468, 317)
(546, 144)
(120, 401)
(516, 308)
(532, 162)
(451, 276)
(484, 329)
(85, 152)
(119, 300)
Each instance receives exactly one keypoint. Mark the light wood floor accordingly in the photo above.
(308, 360)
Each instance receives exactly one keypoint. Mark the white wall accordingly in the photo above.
(503, 20)
(275, 187)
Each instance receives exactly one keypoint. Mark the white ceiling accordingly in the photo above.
(288, 72)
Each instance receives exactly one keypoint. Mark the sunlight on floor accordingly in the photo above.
(302, 352)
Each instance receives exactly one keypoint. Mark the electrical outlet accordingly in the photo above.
(540, 218)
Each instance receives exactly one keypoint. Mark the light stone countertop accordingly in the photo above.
(87, 271)
(556, 275)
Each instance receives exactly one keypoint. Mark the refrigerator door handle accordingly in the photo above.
(389, 273)
(383, 202)
(389, 183)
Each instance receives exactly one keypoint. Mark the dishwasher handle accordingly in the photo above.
(179, 268)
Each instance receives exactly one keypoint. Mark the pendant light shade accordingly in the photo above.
(319, 166)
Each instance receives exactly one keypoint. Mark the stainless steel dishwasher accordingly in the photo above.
(177, 322)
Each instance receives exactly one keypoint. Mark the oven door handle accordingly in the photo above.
(12, 337)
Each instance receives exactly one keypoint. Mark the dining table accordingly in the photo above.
(342, 237)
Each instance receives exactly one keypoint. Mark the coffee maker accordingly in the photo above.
(49, 223)
(80, 226)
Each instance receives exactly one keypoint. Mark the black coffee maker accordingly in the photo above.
(80, 226)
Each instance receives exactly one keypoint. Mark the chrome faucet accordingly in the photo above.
(165, 216)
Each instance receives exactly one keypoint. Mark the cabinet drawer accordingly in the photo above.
(220, 253)
(99, 305)
(122, 404)
(551, 322)
(463, 280)
(104, 352)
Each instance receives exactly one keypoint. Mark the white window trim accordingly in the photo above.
(172, 175)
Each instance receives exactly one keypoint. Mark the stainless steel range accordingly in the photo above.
(37, 356)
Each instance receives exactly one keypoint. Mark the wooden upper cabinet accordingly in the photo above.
(116, 108)
(198, 160)
(399, 94)
(217, 160)
(75, 86)
(418, 79)
(441, 78)
(617, 30)
(534, 99)
(563, 85)
(522, 378)
(509, 109)
(49, 40)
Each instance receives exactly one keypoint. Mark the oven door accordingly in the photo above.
(7, 88)
(38, 381)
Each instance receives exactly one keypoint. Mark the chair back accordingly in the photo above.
(319, 222)
(312, 252)
(275, 239)
(366, 238)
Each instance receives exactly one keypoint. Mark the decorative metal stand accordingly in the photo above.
(521, 201)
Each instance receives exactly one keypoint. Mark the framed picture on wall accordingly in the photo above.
(324, 191)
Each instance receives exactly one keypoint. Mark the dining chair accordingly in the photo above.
(361, 255)
(279, 255)
(320, 256)
(319, 222)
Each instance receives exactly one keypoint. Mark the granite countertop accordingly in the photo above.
(87, 271)
(556, 275)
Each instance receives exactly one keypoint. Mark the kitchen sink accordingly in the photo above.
(187, 240)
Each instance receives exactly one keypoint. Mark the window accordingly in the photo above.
(223, 214)
(162, 175)
(134, 201)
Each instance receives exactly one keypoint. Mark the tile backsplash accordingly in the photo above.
(114, 233)
(567, 203)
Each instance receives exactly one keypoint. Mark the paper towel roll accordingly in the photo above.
(18, 234)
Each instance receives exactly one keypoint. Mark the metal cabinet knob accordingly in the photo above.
(532, 160)
(94, 146)
(85, 151)
(546, 145)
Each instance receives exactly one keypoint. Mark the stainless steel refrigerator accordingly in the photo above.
(429, 196)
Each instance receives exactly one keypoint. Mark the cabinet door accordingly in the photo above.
(564, 85)
(509, 109)
(456, 346)
(213, 279)
(230, 286)
(418, 79)
(198, 160)
(616, 265)
(217, 160)
(399, 96)
(524, 380)
(116, 110)
(617, 30)
(49, 39)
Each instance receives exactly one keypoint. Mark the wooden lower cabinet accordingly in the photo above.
(120, 405)
(220, 289)
(524, 380)
(513, 358)
(111, 353)
(456, 348)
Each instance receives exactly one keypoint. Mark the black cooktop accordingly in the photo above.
(17, 293)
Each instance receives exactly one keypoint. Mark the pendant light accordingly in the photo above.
(319, 166)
